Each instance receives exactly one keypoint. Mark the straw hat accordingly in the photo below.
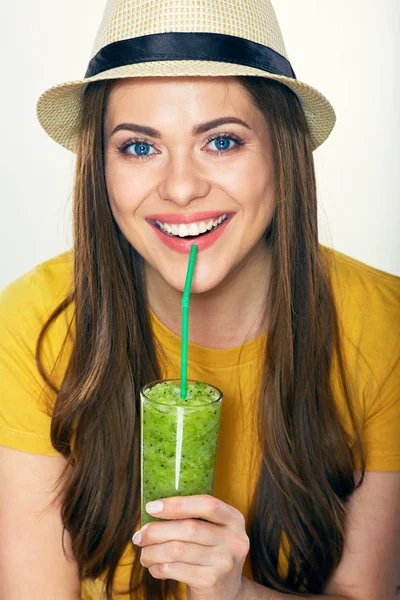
(138, 38)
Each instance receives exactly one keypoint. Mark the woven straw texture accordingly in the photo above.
(254, 20)
(58, 108)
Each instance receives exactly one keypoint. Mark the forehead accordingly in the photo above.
(169, 98)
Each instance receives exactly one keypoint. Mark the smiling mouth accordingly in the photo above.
(191, 231)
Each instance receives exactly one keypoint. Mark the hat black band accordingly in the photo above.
(216, 47)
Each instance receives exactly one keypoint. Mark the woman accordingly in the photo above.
(299, 337)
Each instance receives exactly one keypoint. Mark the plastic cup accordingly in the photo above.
(178, 445)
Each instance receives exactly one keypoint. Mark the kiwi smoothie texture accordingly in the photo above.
(179, 438)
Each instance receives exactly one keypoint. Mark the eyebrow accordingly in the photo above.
(196, 130)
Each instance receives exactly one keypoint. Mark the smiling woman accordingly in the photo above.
(185, 175)
(299, 337)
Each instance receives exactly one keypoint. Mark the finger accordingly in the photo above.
(199, 577)
(185, 530)
(177, 551)
(200, 506)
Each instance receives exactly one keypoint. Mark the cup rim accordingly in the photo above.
(219, 399)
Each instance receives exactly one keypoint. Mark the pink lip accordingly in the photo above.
(183, 244)
(188, 218)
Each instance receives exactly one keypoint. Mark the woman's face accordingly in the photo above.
(189, 170)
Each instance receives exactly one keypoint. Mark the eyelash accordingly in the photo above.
(123, 147)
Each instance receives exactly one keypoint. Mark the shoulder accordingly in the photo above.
(25, 306)
(39, 290)
(362, 280)
(368, 306)
(367, 299)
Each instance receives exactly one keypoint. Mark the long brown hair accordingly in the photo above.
(307, 467)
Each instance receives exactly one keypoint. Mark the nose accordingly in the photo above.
(183, 182)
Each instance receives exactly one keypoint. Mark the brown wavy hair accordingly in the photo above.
(308, 460)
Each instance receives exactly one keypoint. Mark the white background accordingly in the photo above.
(347, 49)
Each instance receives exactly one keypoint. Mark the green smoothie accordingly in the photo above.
(179, 439)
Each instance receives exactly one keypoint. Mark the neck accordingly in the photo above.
(230, 314)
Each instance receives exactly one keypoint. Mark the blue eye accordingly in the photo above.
(223, 142)
(142, 147)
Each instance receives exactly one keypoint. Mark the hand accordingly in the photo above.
(206, 555)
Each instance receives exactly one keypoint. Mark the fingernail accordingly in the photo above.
(137, 538)
(154, 507)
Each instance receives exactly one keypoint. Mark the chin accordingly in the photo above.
(203, 281)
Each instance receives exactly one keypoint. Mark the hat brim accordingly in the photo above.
(58, 108)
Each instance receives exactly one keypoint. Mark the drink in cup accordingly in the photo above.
(179, 440)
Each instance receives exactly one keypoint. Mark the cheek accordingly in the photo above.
(124, 192)
(256, 193)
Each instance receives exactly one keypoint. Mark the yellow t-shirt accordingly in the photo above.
(368, 302)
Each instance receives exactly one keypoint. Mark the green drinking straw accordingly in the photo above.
(185, 319)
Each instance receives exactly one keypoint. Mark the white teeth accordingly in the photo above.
(183, 230)
(193, 229)
(202, 227)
